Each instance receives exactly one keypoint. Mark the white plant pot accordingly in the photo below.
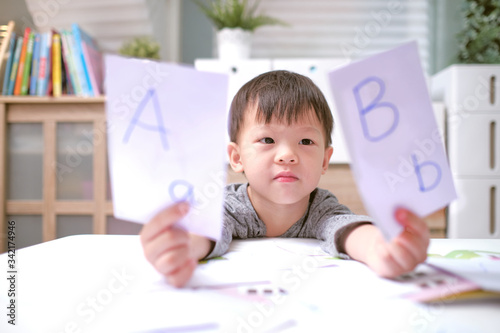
(234, 43)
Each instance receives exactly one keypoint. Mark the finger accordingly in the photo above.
(171, 261)
(408, 254)
(409, 250)
(164, 242)
(405, 258)
(164, 219)
(180, 277)
(388, 267)
(412, 222)
(415, 231)
(414, 244)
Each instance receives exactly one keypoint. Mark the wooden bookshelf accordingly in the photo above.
(48, 112)
(67, 99)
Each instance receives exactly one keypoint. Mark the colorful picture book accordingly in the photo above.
(53, 63)
(6, 34)
(8, 67)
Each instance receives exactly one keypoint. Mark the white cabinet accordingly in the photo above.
(471, 94)
(239, 71)
(475, 213)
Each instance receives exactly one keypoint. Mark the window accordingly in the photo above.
(343, 29)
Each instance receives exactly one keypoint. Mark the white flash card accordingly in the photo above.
(398, 157)
(166, 139)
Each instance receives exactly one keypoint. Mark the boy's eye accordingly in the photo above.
(306, 142)
(267, 140)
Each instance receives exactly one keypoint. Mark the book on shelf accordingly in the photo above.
(6, 32)
(56, 65)
(71, 79)
(34, 65)
(79, 60)
(93, 61)
(44, 64)
(15, 65)
(56, 62)
(22, 62)
(8, 66)
(27, 65)
(70, 60)
(50, 63)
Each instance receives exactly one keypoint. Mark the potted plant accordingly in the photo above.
(235, 21)
(141, 47)
(479, 41)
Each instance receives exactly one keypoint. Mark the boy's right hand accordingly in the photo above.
(169, 248)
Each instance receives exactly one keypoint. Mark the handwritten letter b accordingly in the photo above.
(376, 104)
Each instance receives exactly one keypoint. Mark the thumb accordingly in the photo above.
(411, 222)
(165, 219)
(402, 215)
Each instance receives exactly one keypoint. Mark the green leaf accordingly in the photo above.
(479, 41)
(236, 14)
(141, 47)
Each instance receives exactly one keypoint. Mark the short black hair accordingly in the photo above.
(281, 95)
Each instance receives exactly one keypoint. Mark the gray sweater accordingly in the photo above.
(325, 219)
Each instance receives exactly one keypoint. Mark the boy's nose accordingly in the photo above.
(286, 155)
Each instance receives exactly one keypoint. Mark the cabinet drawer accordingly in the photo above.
(474, 145)
(468, 88)
(476, 212)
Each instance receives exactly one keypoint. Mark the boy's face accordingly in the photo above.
(283, 163)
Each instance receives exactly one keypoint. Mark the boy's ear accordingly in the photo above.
(233, 150)
(326, 160)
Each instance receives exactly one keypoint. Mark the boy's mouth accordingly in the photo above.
(286, 177)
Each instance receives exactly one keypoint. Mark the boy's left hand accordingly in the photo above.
(401, 255)
(405, 251)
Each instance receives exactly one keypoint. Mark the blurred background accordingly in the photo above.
(320, 28)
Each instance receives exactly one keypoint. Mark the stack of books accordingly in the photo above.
(54, 63)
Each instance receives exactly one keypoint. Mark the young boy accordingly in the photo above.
(280, 129)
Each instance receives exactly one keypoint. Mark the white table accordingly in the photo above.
(102, 283)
